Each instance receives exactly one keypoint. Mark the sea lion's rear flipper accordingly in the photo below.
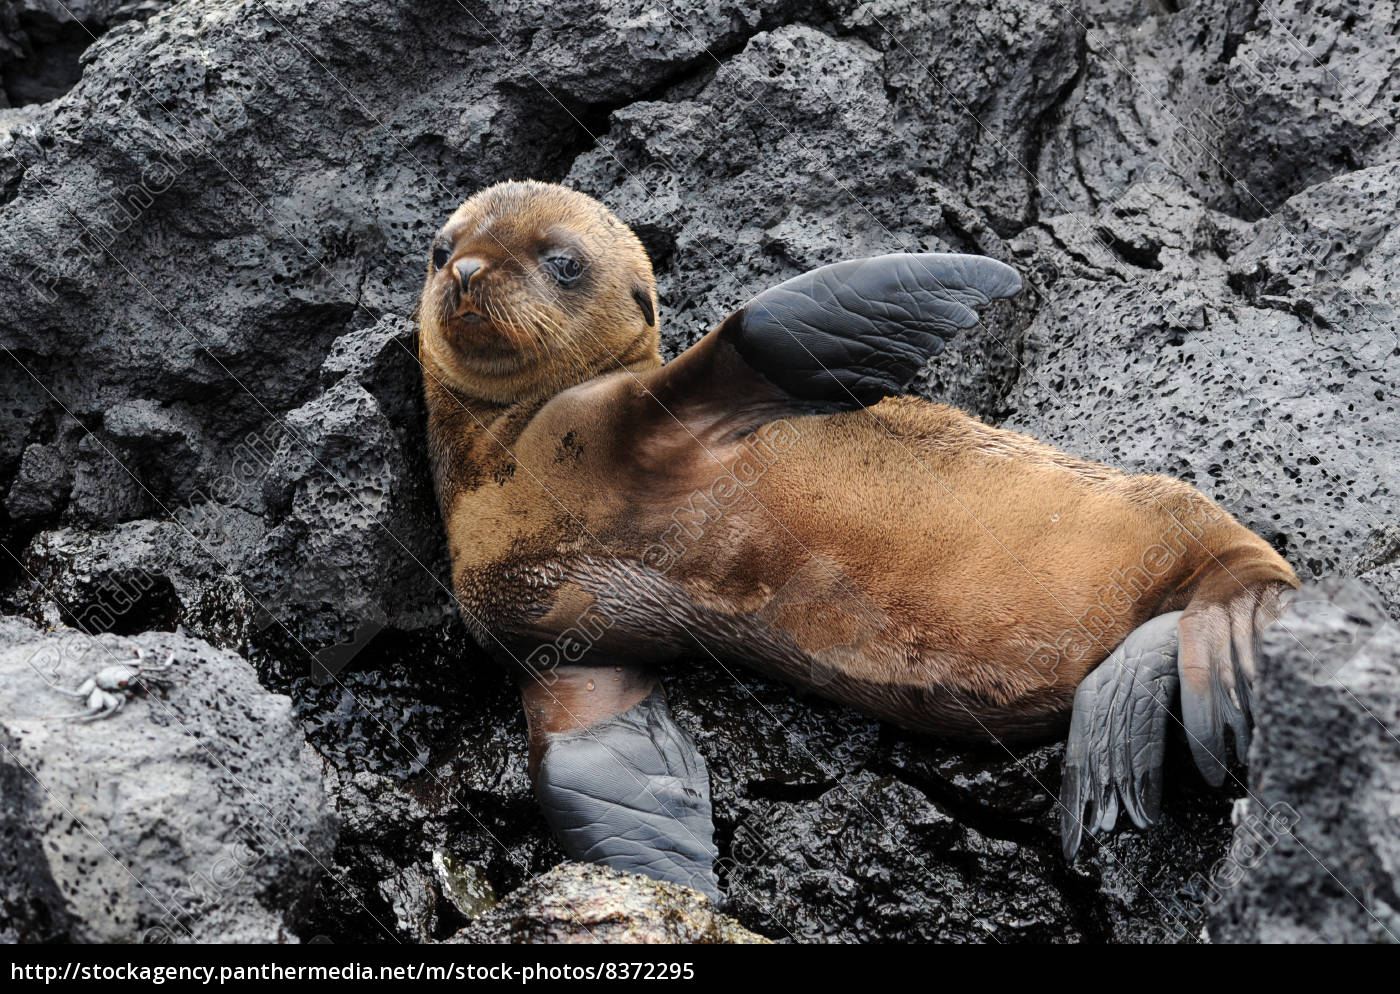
(844, 335)
(1118, 735)
(631, 792)
(1219, 642)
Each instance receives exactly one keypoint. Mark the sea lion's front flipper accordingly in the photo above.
(857, 331)
(629, 791)
(842, 336)
(1117, 736)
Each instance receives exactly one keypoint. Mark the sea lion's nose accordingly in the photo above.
(467, 267)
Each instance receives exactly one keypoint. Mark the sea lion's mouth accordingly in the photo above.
(467, 316)
(476, 333)
(470, 317)
(457, 309)
(478, 336)
(465, 309)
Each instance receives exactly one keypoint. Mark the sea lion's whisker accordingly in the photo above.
(522, 333)
(530, 326)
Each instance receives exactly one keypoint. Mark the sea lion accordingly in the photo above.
(770, 497)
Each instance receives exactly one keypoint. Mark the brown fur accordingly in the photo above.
(907, 558)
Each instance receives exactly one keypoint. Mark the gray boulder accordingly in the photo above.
(1254, 360)
(1315, 856)
(194, 814)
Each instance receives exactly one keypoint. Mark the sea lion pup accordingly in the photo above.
(769, 497)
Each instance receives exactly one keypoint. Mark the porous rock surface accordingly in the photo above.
(193, 814)
(1316, 857)
(216, 218)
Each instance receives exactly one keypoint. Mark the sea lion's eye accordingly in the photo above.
(566, 268)
(441, 253)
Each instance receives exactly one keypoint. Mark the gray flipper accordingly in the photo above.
(854, 332)
(632, 792)
(1118, 735)
(1208, 709)
(1207, 717)
(1219, 653)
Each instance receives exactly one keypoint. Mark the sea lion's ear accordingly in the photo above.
(854, 332)
(643, 299)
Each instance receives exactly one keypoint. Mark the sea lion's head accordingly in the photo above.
(532, 288)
